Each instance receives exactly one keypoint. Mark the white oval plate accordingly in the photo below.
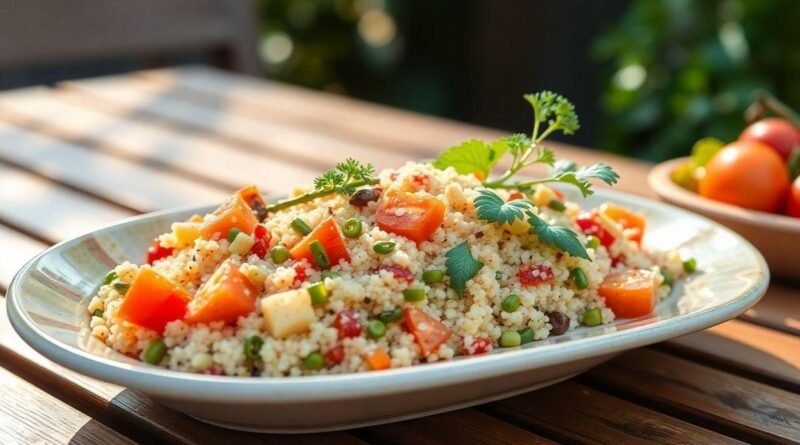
(48, 297)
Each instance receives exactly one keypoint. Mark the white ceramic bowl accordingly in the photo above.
(777, 237)
(48, 297)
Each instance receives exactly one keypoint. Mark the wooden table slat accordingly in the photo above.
(17, 249)
(132, 185)
(55, 213)
(67, 115)
(734, 403)
(468, 426)
(295, 145)
(779, 309)
(575, 413)
(764, 353)
(30, 415)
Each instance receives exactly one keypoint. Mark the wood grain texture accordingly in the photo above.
(30, 415)
(755, 351)
(779, 309)
(468, 426)
(293, 145)
(135, 186)
(733, 404)
(52, 212)
(574, 413)
(17, 249)
(69, 116)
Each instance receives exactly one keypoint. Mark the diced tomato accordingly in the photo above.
(421, 180)
(515, 196)
(157, 252)
(629, 294)
(429, 332)
(408, 215)
(262, 239)
(616, 260)
(334, 356)
(300, 273)
(589, 226)
(378, 359)
(330, 236)
(531, 275)
(633, 222)
(226, 296)
(152, 301)
(348, 323)
(399, 272)
(479, 345)
(235, 212)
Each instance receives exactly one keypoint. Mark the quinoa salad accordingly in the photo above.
(365, 270)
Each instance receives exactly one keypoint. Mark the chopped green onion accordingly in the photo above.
(121, 287)
(391, 316)
(97, 313)
(314, 361)
(155, 352)
(413, 294)
(526, 335)
(509, 339)
(319, 254)
(556, 205)
(510, 303)
(592, 317)
(592, 242)
(690, 265)
(318, 292)
(252, 347)
(352, 228)
(668, 279)
(498, 275)
(110, 276)
(299, 226)
(579, 278)
(279, 254)
(383, 247)
(328, 274)
(376, 329)
(433, 276)
(233, 233)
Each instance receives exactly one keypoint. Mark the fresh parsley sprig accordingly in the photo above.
(491, 208)
(551, 113)
(461, 267)
(344, 179)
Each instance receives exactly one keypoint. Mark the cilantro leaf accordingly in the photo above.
(472, 156)
(563, 166)
(562, 238)
(580, 178)
(546, 156)
(461, 267)
(517, 143)
(555, 110)
(491, 207)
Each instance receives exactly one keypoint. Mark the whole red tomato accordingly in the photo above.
(778, 133)
(793, 199)
(746, 174)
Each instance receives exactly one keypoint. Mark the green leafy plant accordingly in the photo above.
(491, 208)
(343, 180)
(676, 71)
(551, 113)
(461, 267)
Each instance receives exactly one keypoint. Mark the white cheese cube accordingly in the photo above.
(287, 313)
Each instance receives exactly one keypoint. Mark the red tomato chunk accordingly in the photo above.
(532, 275)
(348, 323)
(478, 345)
(399, 272)
(157, 252)
(334, 356)
(590, 226)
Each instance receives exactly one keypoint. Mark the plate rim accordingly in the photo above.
(160, 382)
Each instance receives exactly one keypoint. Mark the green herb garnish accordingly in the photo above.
(461, 267)
(549, 109)
(343, 180)
(491, 208)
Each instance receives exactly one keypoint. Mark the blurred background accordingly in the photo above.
(648, 77)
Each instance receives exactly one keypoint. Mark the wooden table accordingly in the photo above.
(84, 154)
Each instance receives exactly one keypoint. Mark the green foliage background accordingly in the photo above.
(702, 62)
